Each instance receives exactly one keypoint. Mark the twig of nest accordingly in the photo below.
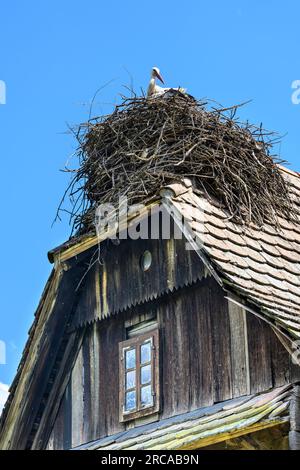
(147, 143)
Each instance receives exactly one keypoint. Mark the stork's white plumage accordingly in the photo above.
(153, 88)
(156, 90)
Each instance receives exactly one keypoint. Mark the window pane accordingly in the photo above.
(145, 353)
(130, 379)
(130, 359)
(146, 374)
(146, 396)
(130, 402)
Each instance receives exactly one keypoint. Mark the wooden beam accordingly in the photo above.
(239, 350)
(64, 253)
(58, 389)
(232, 435)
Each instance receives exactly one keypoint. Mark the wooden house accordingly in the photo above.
(166, 342)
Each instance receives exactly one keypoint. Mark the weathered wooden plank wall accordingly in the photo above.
(186, 357)
(119, 282)
(61, 436)
(210, 351)
(259, 354)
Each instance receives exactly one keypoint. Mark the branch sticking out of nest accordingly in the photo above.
(147, 143)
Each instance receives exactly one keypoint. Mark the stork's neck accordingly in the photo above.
(151, 87)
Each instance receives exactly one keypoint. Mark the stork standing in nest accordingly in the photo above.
(156, 90)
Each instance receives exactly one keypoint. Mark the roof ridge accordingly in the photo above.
(284, 169)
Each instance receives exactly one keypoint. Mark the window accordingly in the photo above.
(139, 376)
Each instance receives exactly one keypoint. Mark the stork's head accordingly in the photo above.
(156, 74)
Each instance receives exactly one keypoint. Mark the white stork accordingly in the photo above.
(156, 90)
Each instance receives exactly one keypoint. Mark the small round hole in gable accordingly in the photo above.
(146, 260)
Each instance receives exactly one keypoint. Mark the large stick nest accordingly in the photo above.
(148, 143)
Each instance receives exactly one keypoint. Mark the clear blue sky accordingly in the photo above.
(55, 54)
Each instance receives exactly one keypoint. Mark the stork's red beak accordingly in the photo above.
(158, 75)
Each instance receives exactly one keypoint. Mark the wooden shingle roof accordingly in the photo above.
(260, 263)
(205, 426)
